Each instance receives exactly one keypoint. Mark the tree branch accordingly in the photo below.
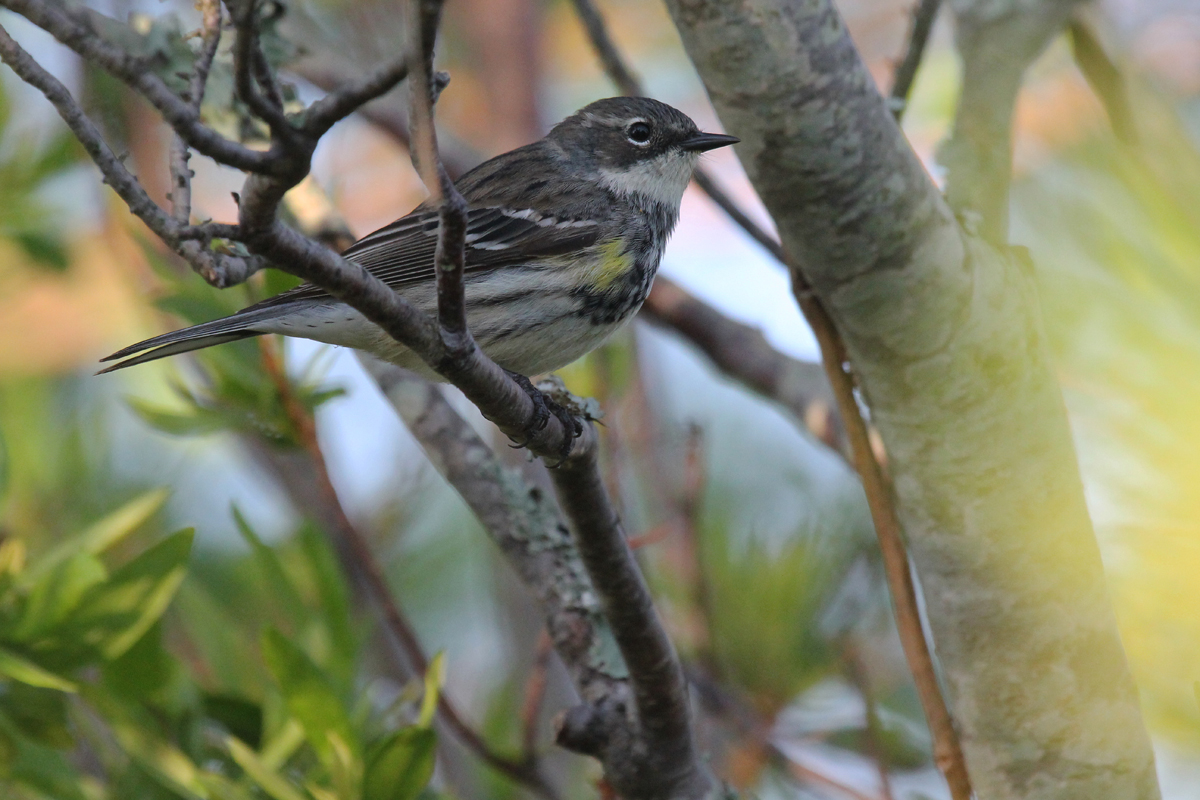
(353, 96)
(249, 66)
(75, 31)
(180, 237)
(923, 17)
(997, 41)
(947, 347)
(947, 753)
(521, 519)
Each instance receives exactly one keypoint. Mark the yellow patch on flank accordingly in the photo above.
(610, 264)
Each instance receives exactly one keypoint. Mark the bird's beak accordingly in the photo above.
(702, 142)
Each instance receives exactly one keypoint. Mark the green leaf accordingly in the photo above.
(284, 593)
(56, 594)
(308, 694)
(117, 613)
(334, 604)
(23, 670)
(143, 671)
(239, 716)
(45, 248)
(101, 535)
(435, 677)
(176, 423)
(400, 765)
(268, 779)
(38, 767)
(38, 714)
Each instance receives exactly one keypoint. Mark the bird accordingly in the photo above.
(564, 237)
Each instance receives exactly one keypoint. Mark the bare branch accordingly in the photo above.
(662, 761)
(923, 17)
(181, 173)
(352, 96)
(190, 242)
(387, 115)
(946, 750)
(115, 174)
(520, 518)
(75, 31)
(606, 50)
(1105, 79)
(423, 19)
(997, 42)
(249, 67)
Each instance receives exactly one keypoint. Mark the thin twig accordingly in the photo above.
(450, 257)
(74, 29)
(923, 17)
(247, 74)
(351, 96)
(180, 237)
(181, 173)
(946, 749)
(523, 772)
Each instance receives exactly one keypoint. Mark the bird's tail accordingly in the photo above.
(197, 337)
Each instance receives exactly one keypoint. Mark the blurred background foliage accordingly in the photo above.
(238, 661)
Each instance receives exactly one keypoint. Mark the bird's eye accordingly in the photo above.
(638, 133)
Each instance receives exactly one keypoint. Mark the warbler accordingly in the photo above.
(563, 241)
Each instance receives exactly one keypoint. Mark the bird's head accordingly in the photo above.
(637, 146)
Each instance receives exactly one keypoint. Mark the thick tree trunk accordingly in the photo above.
(945, 338)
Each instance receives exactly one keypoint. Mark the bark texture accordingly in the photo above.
(944, 334)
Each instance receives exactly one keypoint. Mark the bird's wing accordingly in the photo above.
(402, 253)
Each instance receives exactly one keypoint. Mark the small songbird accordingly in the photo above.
(564, 238)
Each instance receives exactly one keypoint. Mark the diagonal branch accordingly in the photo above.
(353, 95)
(923, 17)
(75, 30)
(947, 751)
(249, 66)
(187, 241)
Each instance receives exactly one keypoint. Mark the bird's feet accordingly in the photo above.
(545, 405)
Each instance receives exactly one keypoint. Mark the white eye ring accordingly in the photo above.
(638, 132)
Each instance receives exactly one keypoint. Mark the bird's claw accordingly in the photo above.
(541, 409)
(544, 406)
